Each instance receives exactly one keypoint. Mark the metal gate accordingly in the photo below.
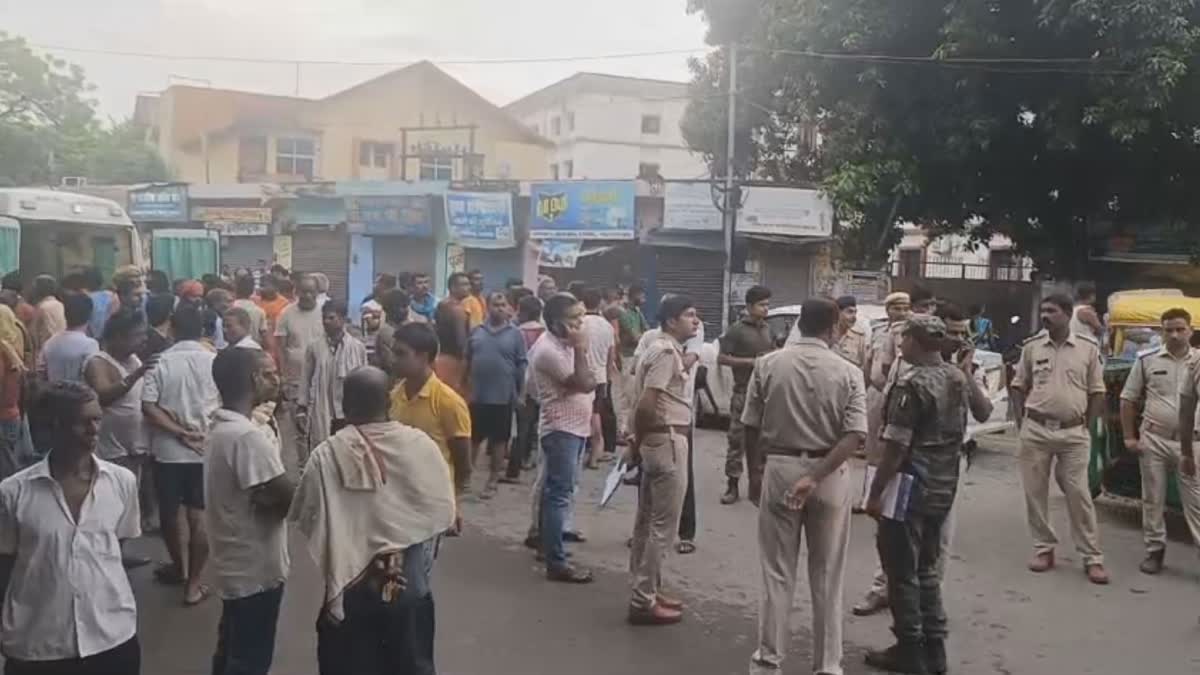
(253, 253)
(497, 265)
(324, 251)
(397, 255)
(787, 271)
(697, 274)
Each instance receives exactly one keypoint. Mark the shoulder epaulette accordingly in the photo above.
(1088, 338)
(1032, 338)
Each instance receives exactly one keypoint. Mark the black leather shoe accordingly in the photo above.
(935, 656)
(731, 493)
(1153, 564)
(903, 657)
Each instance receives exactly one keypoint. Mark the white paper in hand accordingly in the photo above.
(895, 496)
(612, 482)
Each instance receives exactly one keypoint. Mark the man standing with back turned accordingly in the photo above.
(806, 412)
(744, 342)
(1059, 391)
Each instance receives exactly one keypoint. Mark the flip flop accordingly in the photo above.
(167, 575)
(205, 591)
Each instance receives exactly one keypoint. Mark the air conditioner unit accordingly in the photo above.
(73, 181)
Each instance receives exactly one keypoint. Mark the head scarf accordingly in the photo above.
(191, 290)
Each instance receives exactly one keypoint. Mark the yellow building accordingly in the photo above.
(415, 123)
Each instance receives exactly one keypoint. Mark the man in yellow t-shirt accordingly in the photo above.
(423, 401)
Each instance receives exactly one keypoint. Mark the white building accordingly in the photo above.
(612, 127)
(955, 256)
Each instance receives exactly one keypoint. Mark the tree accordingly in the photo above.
(1033, 119)
(48, 125)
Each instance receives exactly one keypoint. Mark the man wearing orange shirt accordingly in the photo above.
(270, 301)
(475, 305)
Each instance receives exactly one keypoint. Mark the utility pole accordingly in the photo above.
(732, 200)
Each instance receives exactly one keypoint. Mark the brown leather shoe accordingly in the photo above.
(1097, 574)
(655, 616)
(669, 602)
(873, 603)
(732, 494)
(1153, 564)
(1042, 562)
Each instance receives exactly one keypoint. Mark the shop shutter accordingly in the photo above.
(253, 253)
(397, 255)
(324, 251)
(497, 265)
(787, 271)
(697, 274)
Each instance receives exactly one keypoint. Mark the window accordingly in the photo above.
(651, 124)
(648, 170)
(568, 169)
(376, 155)
(570, 121)
(437, 168)
(554, 171)
(295, 156)
(556, 126)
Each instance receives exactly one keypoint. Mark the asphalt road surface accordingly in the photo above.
(497, 615)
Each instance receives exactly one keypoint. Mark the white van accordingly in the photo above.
(58, 233)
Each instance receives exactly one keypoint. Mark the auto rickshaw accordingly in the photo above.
(1135, 326)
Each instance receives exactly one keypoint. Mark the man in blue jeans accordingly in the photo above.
(248, 494)
(565, 388)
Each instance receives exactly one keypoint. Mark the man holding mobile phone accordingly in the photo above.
(806, 413)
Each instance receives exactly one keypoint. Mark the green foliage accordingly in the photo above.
(1035, 149)
(48, 126)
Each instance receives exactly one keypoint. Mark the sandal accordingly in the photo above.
(574, 537)
(204, 591)
(570, 575)
(168, 575)
(685, 547)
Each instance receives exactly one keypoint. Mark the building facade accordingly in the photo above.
(610, 127)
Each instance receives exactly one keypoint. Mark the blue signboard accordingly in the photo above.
(582, 210)
(159, 204)
(407, 216)
(480, 219)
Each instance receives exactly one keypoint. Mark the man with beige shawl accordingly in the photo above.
(372, 501)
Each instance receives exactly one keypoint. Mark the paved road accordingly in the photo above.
(496, 614)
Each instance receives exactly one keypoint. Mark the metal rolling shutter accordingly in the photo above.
(249, 252)
(396, 255)
(697, 274)
(497, 265)
(324, 251)
(787, 272)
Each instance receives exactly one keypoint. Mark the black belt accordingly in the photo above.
(1052, 423)
(795, 452)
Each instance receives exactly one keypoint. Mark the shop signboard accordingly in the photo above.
(561, 254)
(234, 221)
(796, 212)
(582, 210)
(480, 219)
(689, 206)
(159, 204)
(402, 215)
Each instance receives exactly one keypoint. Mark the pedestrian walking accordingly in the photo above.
(565, 388)
(805, 414)
(423, 401)
(496, 363)
(601, 340)
(62, 357)
(371, 504)
(178, 400)
(327, 362)
(661, 425)
(248, 495)
(299, 326)
(1159, 385)
(1059, 392)
(742, 343)
(68, 605)
(923, 431)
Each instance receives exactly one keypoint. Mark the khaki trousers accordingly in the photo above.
(1160, 456)
(660, 504)
(1066, 452)
(874, 446)
(824, 521)
(624, 396)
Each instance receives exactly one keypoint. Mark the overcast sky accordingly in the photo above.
(353, 30)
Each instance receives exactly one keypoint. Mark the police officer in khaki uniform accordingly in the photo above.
(662, 421)
(1059, 391)
(848, 339)
(1156, 384)
(806, 413)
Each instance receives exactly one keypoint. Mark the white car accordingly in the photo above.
(783, 328)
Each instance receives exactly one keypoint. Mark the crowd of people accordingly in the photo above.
(141, 405)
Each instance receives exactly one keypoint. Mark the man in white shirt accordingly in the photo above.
(299, 326)
(601, 341)
(248, 493)
(178, 400)
(63, 356)
(68, 606)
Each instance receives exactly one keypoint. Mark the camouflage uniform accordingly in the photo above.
(924, 415)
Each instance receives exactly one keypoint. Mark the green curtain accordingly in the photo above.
(184, 257)
(10, 249)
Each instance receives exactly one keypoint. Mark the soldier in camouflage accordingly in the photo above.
(923, 434)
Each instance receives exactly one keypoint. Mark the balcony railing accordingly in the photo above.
(942, 269)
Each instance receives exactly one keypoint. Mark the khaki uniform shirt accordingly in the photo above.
(661, 368)
(854, 345)
(1057, 380)
(804, 398)
(1158, 378)
(885, 352)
